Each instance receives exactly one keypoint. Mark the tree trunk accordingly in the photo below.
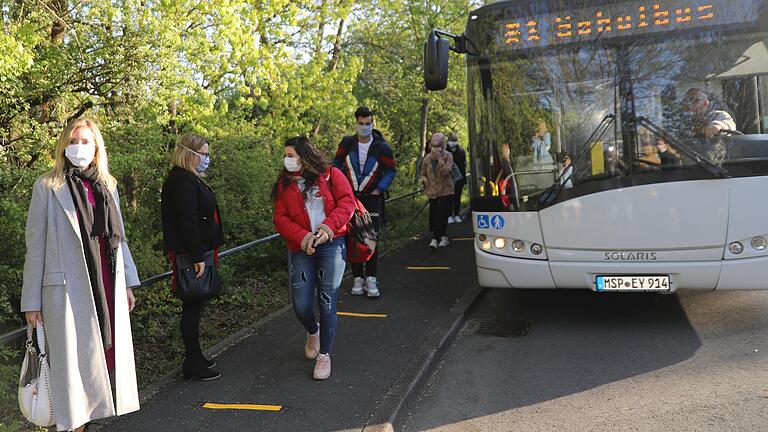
(59, 27)
(320, 39)
(333, 65)
(337, 46)
(172, 127)
(128, 190)
(423, 112)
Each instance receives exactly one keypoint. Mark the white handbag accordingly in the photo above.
(34, 386)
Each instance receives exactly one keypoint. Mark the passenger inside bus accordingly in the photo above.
(613, 165)
(669, 158)
(507, 183)
(566, 171)
(541, 143)
(503, 183)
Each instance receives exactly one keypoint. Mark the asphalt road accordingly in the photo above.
(694, 361)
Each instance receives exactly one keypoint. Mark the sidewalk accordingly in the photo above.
(370, 355)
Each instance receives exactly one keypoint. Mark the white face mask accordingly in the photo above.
(81, 155)
(292, 164)
(452, 144)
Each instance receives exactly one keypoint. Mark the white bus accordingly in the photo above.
(616, 146)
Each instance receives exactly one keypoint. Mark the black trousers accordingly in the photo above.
(439, 210)
(456, 204)
(375, 206)
(190, 329)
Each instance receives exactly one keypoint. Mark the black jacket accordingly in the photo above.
(669, 161)
(187, 210)
(460, 159)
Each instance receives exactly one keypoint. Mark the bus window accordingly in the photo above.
(667, 94)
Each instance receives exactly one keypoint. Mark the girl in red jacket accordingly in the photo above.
(313, 204)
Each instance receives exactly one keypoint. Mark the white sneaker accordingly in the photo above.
(372, 286)
(357, 288)
(457, 219)
(433, 244)
(443, 241)
(322, 367)
(451, 220)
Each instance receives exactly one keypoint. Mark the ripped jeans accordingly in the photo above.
(322, 270)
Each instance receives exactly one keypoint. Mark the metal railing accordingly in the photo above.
(20, 332)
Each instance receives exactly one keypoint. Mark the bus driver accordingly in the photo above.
(705, 121)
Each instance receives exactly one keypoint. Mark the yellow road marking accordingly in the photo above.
(463, 238)
(361, 315)
(427, 268)
(243, 407)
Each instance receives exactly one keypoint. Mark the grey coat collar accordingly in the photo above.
(65, 199)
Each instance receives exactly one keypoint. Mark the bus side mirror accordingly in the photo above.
(436, 51)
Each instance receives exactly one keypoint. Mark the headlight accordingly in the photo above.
(500, 243)
(536, 249)
(759, 243)
(518, 245)
(736, 248)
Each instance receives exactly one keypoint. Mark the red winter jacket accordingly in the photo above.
(292, 220)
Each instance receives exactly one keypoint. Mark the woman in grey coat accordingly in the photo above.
(77, 277)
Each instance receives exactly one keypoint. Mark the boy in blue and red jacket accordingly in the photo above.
(368, 163)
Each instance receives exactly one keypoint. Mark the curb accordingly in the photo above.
(390, 413)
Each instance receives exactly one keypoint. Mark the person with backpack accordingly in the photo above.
(313, 204)
(437, 178)
(368, 163)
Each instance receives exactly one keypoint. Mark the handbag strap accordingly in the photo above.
(40, 338)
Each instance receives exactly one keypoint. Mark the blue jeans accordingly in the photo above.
(322, 270)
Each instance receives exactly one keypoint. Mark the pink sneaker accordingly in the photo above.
(322, 367)
(312, 347)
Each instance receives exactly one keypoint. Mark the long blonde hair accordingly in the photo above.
(183, 157)
(56, 176)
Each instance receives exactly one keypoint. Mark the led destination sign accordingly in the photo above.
(527, 28)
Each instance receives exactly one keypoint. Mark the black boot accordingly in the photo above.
(196, 368)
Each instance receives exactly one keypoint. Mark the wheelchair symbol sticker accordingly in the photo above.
(497, 222)
(482, 222)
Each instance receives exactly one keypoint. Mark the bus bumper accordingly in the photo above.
(744, 274)
(494, 271)
(702, 275)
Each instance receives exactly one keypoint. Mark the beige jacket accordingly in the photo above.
(437, 181)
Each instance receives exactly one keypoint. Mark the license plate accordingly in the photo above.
(632, 283)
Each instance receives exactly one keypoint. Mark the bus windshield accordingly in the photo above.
(553, 119)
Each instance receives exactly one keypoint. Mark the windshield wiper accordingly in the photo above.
(708, 165)
(551, 193)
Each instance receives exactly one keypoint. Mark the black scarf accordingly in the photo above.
(95, 223)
